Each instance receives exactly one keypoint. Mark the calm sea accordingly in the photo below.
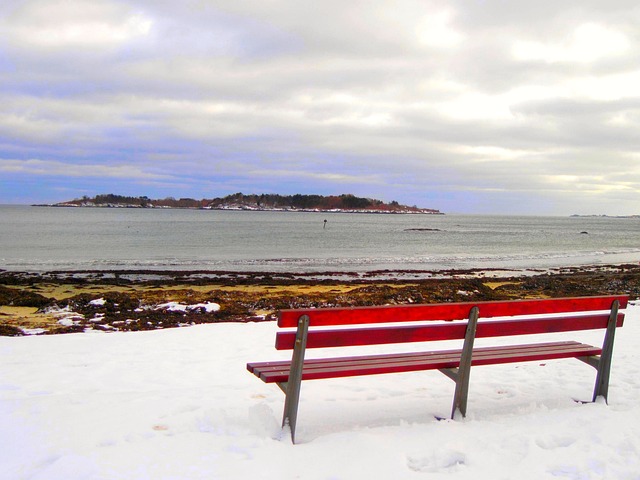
(42, 239)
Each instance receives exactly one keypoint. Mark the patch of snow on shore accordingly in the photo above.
(180, 307)
(33, 331)
(65, 316)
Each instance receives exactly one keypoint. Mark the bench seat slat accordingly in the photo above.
(446, 331)
(271, 372)
(449, 311)
(310, 362)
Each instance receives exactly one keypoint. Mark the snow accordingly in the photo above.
(209, 307)
(179, 404)
(65, 316)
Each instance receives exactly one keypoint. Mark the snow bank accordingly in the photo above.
(65, 316)
(181, 307)
(179, 404)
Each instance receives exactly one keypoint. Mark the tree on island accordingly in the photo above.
(240, 201)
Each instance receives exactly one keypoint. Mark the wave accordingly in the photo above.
(347, 264)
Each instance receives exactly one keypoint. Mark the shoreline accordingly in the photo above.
(34, 303)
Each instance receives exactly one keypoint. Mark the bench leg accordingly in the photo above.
(462, 374)
(604, 365)
(292, 387)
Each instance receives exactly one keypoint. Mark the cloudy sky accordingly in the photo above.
(468, 106)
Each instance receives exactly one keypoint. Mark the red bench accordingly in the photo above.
(431, 322)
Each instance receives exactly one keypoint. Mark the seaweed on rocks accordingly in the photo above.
(10, 331)
(22, 298)
(155, 300)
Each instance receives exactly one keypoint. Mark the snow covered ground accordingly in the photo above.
(179, 404)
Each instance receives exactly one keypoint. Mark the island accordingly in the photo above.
(265, 202)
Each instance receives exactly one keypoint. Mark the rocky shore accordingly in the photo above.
(66, 302)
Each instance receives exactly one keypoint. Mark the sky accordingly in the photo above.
(468, 106)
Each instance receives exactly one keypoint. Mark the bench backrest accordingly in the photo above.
(570, 314)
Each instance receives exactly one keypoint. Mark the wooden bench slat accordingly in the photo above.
(438, 363)
(446, 331)
(449, 311)
(390, 363)
(311, 362)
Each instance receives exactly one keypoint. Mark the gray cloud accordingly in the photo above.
(478, 106)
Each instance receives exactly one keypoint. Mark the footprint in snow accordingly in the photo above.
(551, 442)
(440, 460)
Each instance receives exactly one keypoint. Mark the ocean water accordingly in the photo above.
(49, 239)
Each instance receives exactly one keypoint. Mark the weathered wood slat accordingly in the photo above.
(448, 311)
(310, 362)
(276, 365)
(271, 372)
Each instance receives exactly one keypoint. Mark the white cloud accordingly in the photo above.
(490, 153)
(435, 30)
(478, 106)
(592, 184)
(56, 168)
(75, 23)
(341, 178)
(88, 33)
(587, 43)
(613, 86)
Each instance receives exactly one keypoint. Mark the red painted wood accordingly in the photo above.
(394, 363)
(403, 362)
(446, 311)
(444, 331)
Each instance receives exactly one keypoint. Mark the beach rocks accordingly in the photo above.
(91, 303)
(22, 298)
